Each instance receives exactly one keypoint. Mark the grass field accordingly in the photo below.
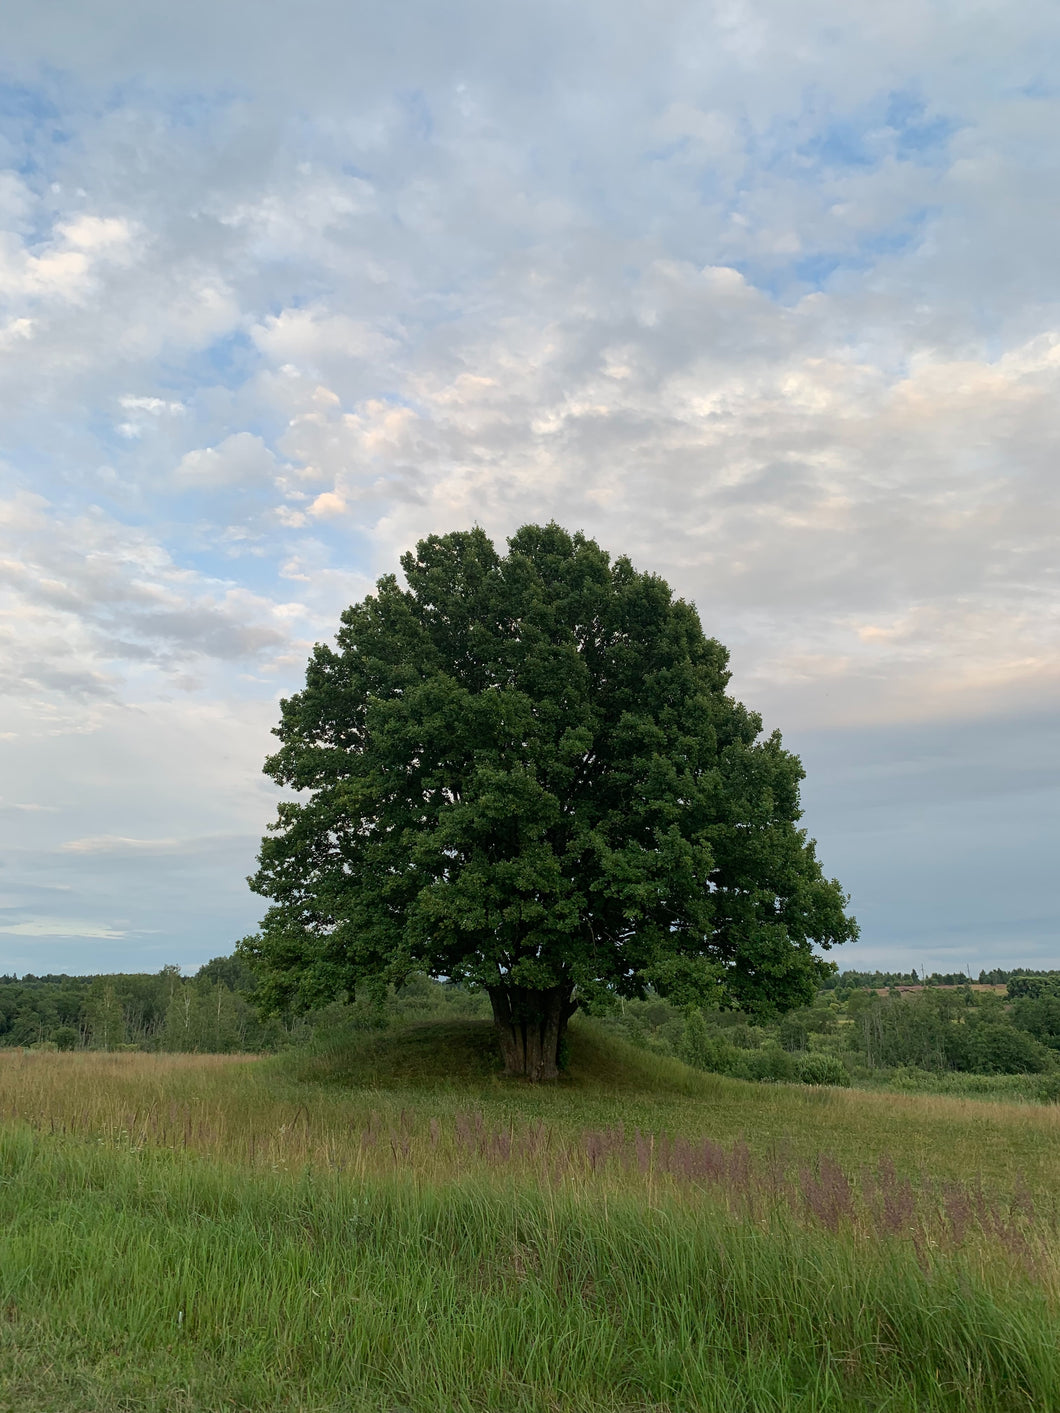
(387, 1225)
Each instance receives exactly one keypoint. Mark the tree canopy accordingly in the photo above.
(523, 772)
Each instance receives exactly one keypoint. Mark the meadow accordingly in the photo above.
(383, 1223)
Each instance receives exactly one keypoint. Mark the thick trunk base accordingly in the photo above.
(530, 1028)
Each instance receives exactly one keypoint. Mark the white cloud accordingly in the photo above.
(308, 338)
(61, 927)
(89, 602)
(327, 505)
(116, 843)
(17, 332)
(97, 233)
(240, 459)
(765, 473)
(69, 264)
(155, 406)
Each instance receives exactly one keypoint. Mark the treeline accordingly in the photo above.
(855, 1034)
(874, 980)
(214, 1010)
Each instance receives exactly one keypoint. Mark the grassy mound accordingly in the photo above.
(464, 1053)
(425, 1054)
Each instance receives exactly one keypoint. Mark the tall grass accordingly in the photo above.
(345, 1230)
(316, 1108)
(152, 1281)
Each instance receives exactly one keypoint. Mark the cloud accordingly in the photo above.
(61, 927)
(327, 505)
(69, 264)
(156, 406)
(310, 338)
(240, 459)
(97, 233)
(115, 843)
(89, 600)
(879, 518)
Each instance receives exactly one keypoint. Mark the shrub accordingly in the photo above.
(1001, 1049)
(697, 1047)
(1047, 1088)
(820, 1068)
(792, 1033)
(770, 1062)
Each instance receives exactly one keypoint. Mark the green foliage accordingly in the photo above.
(769, 1062)
(1039, 1016)
(1034, 986)
(944, 1030)
(994, 1047)
(1021, 982)
(876, 980)
(524, 772)
(697, 1046)
(821, 1068)
(206, 1016)
(793, 1033)
(935, 1031)
(213, 1010)
(105, 1015)
(231, 971)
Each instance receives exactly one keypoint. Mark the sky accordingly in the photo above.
(765, 296)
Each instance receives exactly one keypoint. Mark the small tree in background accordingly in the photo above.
(697, 1047)
(105, 1015)
(524, 772)
(183, 1029)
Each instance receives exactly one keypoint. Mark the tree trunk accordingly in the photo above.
(530, 1027)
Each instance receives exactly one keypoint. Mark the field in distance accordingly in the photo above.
(386, 1224)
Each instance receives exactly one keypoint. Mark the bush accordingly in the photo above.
(820, 1068)
(1040, 1017)
(697, 1047)
(907, 1079)
(770, 1063)
(792, 1033)
(1047, 1088)
(1001, 1049)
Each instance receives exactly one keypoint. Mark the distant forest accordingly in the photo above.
(869, 1028)
(212, 1011)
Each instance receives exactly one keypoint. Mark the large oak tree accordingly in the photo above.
(523, 772)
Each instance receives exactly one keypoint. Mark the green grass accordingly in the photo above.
(158, 1282)
(462, 1056)
(444, 1068)
(346, 1230)
(314, 1106)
